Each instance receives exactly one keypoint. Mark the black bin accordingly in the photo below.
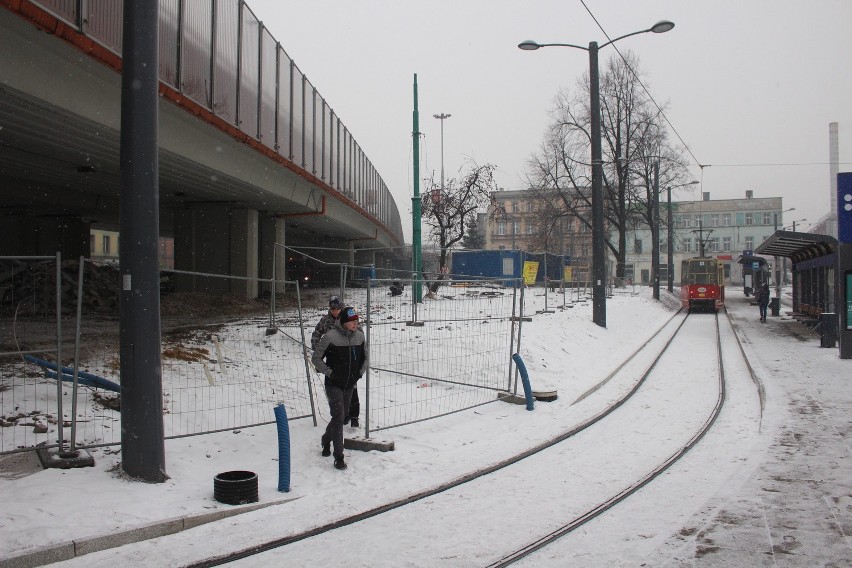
(235, 487)
(775, 306)
(828, 330)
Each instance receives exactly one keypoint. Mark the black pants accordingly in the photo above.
(354, 406)
(762, 307)
(338, 406)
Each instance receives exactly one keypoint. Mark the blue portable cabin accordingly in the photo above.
(471, 264)
(468, 264)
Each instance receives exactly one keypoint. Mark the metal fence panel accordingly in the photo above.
(249, 71)
(269, 87)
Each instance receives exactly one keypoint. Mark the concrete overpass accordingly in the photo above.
(250, 153)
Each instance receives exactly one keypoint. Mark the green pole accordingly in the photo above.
(416, 258)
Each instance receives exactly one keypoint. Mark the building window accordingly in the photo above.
(529, 206)
(726, 219)
(501, 228)
(767, 218)
(726, 244)
(515, 208)
(749, 243)
(749, 218)
(91, 244)
(516, 227)
(698, 221)
(713, 245)
(106, 245)
(530, 229)
(637, 246)
(714, 220)
(687, 245)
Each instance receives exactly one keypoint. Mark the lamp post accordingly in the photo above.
(777, 267)
(670, 234)
(441, 117)
(598, 236)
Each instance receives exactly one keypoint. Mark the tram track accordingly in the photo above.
(483, 472)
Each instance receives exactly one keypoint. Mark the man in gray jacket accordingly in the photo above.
(342, 357)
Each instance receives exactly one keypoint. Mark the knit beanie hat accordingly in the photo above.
(335, 303)
(348, 314)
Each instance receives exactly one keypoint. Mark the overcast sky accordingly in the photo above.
(751, 86)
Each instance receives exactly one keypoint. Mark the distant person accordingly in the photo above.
(342, 357)
(763, 300)
(396, 288)
(325, 324)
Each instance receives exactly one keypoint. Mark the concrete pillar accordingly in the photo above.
(244, 254)
(272, 241)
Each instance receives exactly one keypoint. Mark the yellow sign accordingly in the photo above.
(530, 271)
(568, 273)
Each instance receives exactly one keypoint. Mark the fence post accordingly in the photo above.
(59, 417)
(80, 269)
(305, 354)
(367, 376)
(520, 327)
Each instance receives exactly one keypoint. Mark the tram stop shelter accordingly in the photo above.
(815, 292)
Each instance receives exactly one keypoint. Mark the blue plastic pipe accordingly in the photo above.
(96, 380)
(283, 448)
(525, 379)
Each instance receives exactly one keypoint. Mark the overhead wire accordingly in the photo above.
(647, 92)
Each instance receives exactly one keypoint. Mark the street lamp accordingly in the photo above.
(670, 234)
(598, 236)
(441, 117)
(778, 268)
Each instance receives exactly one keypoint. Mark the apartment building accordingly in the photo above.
(721, 228)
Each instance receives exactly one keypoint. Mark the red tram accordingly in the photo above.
(702, 284)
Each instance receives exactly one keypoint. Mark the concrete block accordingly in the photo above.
(511, 398)
(63, 459)
(40, 556)
(368, 444)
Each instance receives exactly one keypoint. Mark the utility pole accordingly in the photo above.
(655, 231)
(416, 256)
(442, 117)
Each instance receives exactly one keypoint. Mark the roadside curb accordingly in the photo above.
(79, 547)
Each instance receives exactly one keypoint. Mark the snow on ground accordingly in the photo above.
(563, 350)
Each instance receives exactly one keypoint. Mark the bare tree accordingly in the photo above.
(628, 119)
(448, 212)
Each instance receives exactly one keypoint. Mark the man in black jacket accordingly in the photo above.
(763, 300)
(342, 357)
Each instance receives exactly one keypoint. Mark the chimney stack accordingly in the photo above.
(749, 194)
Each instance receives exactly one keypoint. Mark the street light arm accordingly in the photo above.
(530, 45)
(624, 36)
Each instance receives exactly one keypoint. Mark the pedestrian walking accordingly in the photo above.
(342, 357)
(763, 300)
(326, 323)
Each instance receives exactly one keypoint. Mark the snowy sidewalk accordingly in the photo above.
(796, 507)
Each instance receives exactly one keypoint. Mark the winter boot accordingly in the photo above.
(339, 463)
(346, 421)
(354, 422)
(326, 449)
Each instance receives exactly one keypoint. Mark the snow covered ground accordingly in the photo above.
(774, 490)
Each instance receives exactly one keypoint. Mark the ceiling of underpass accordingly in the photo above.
(55, 163)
